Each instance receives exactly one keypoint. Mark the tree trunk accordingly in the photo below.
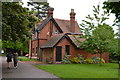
(21, 52)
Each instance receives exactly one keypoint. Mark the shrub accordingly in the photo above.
(66, 60)
(75, 60)
(95, 59)
(22, 58)
(81, 58)
(89, 61)
(102, 61)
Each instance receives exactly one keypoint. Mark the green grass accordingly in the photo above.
(22, 58)
(3, 54)
(108, 70)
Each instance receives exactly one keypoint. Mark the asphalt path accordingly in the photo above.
(24, 71)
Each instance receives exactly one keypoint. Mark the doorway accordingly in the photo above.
(58, 53)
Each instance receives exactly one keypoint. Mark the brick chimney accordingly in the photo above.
(50, 11)
(72, 21)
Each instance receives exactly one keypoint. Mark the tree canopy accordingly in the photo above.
(97, 33)
(114, 7)
(40, 8)
(16, 25)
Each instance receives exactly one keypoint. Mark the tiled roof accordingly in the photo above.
(74, 39)
(52, 41)
(56, 39)
(61, 24)
(44, 22)
(65, 26)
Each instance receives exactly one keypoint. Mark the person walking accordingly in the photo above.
(9, 59)
(15, 59)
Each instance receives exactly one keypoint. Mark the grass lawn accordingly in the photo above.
(108, 70)
(3, 54)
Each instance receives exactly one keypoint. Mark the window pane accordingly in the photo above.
(67, 49)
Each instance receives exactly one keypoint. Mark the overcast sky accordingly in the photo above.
(82, 8)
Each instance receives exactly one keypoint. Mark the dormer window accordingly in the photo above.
(56, 32)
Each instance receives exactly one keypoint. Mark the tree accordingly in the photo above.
(16, 25)
(40, 7)
(113, 7)
(97, 33)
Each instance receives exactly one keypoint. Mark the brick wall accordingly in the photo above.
(74, 51)
(43, 35)
(47, 53)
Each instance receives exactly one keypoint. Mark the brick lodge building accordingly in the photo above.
(53, 38)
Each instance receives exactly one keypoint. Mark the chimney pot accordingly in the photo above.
(72, 11)
(50, 11)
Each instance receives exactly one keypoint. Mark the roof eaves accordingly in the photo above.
(67, 37)
(42, 25)
(59, 40)
(46, 47)
(57, 25)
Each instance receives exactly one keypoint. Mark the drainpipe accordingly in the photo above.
(31, 49)
(38, 56)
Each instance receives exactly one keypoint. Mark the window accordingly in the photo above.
(67, 47)
(56, 32)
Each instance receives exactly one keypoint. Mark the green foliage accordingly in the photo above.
(75, 60)
(99, 36)
(14, 21)
(16, 24)
(89, 61)
(40, 7)
(112, 6)
(95, 59)
(0, 43)
(102, 60)
(21, 58)
(2, 54)
(66, 59)
(81, 58)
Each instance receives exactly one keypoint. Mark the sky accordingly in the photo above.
(82, 8)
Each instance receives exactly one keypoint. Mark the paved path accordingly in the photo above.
(23, 71)
(0, 67)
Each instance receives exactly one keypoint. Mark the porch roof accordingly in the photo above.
(52, 41)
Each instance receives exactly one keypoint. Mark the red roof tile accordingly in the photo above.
(65, 26)
(74, 39)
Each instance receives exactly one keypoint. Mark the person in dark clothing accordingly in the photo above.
(9, 58)
(15, 59)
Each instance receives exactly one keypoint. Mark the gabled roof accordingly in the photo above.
(65, 26)
(43, 24)
(62, 25)
(54, 40)
(74, 40)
